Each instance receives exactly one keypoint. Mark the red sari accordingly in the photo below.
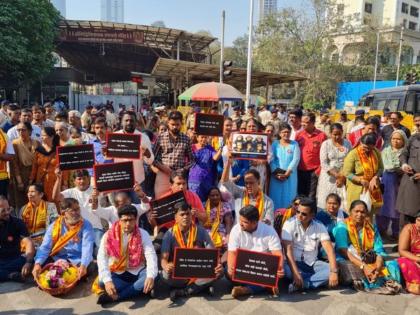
(409, 268)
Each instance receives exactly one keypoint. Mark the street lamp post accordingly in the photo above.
(222, 47)
(249, 62)
(376, 59)
(399, 56)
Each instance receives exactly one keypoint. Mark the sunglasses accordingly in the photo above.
(303, 214)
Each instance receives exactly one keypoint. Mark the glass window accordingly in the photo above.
(392, 104)
(379, 104)
(412, 26)
(368, 7)
(404, 8)
(414, 11)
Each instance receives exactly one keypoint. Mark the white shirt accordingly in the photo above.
(264, 239)
(12, 133)
(294, 132)
(138, 164)
(111, 213)
(305, 242)
(105, 261)
(83, 197)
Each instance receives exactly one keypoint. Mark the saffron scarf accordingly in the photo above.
(58, 240)
(368, 239)
(3, 164)
(114, 247)
(370, 164)
(192, 236)
(214, 232)
(286, 216)
(259, 203)
(35, 219)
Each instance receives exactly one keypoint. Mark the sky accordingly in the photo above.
(189, 15)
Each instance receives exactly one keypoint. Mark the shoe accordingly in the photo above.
(104, 299)
(210, 290)
(276, 292)
(358, 285)
(16, 277)
(177, 293)
(240, 291)
(292, 288)
(152, 294)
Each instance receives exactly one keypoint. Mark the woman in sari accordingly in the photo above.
(358, 241)
(219, 218)
(409, 249)
(62, 130)
(202, 175)
(37, 214)
(391, 181)
(362, 168)
(21, 166)
(45, 163)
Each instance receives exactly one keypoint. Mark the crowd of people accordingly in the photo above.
(323, 201)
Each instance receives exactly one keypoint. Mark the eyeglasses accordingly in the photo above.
(303, 214)
(296, 203)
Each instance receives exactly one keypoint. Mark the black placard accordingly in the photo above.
(123, 145)
(256, 268)
(165, 207)
(250, 146)
(209, 124)
(75, 157)
(115, 176)
(195, 263)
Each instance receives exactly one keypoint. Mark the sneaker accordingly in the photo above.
(292, 288)
(104, 298)
(152, 294)
(240, 291)
(210, 290)
(16, 277)
(177, 293)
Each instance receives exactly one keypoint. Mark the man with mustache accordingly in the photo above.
(69, 238)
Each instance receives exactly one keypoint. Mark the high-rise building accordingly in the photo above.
(112, 11)
(387, 17)
(60, 5)
(267, 7)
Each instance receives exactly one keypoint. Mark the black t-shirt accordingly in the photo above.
(11, 233)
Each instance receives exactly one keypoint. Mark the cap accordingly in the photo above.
(197, 109)
(360, 112)
(236, 107)
(324, 111)
(274, 110)
(251, 106)
(343, 112)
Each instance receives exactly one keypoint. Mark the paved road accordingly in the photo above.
(26, 299)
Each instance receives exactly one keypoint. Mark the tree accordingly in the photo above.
(27, 32)
(238, 52)
(158, 24)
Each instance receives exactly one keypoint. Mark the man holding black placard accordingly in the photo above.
(251, 194)
(251, 234)
(129, 123)
(185, 234)
(173, 151)
(301, 237)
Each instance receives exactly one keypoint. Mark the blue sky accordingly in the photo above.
(189, 15)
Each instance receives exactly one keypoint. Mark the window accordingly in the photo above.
(368, 7)
(392, 104)
(404, 23)
(404, 8)
(414, 11)
(412, 26)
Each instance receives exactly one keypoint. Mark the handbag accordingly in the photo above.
(365, 196)
(368, 257)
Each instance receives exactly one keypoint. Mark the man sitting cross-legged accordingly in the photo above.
(185, 234)
(127, 261)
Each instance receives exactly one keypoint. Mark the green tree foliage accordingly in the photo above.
(238, 52)
(158, 24)
(27, 32)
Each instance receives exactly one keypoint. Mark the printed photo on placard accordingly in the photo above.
(209, 124)
(115, 176)
(123, 145)
(250, 146)
(256, 268)
(195, 263)
(75, 157)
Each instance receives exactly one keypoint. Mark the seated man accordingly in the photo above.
(178, 181)
(301, 236)
(251, 194)
(251, 234)
(185, 234)
(13, 265)
(69, 238)
(127, 262)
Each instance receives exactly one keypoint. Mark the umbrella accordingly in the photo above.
(257, 100)
(211, 91)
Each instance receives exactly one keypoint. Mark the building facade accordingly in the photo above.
(266, 7)
(112, 11)
(386, 16)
